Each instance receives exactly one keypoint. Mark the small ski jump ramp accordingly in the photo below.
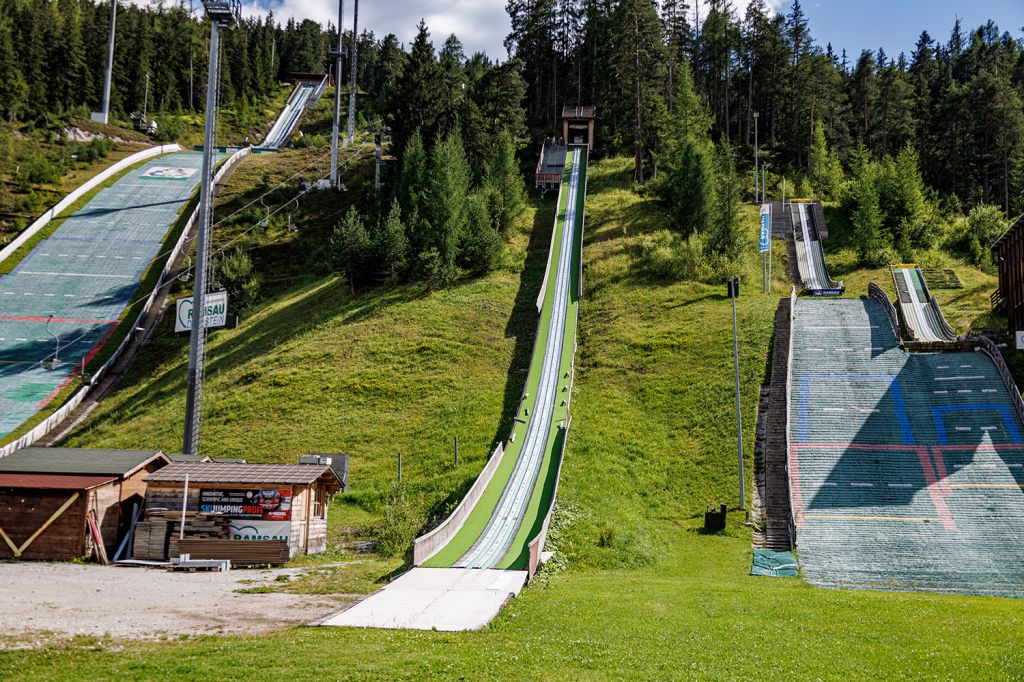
(921, 314)
(483, 554)
(810, 255)
(305, 96)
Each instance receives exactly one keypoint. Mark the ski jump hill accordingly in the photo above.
(306, 94)
(78, 285)
(481, 555)
(923, 321)
(905, 469)
(802, 224)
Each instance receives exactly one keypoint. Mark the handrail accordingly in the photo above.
(875, 292)
(428, 544)
(789, 393)
(989, 348)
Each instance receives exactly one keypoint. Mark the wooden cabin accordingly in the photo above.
(49, 495)
(578, 125)
(1009, 297)
(262, 501)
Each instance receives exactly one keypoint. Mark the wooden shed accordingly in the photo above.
(262, 501)
(1009, 297)
(49, 495)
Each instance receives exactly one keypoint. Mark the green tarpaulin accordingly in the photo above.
(774, 564)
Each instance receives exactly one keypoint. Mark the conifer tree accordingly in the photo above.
(392, 247)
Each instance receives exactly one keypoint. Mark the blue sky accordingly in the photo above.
(896, 24)
(854, 25)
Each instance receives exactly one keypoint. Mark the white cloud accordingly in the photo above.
(479, 24)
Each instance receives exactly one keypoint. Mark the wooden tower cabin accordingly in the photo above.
(1009, 297)
(577, 129)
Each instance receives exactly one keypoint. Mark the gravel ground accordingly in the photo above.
(42, 602)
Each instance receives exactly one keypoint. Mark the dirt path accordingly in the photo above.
(43, 602)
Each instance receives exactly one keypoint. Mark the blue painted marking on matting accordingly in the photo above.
(803, 428)
(1009, 419)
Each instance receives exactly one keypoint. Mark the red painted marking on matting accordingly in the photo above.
(934, 489)
(78, 368)
(940, 468)
(794, 486)
(68, 320)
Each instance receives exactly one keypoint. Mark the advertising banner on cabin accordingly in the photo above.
(216, 311)
(241, 529)
(272, 504)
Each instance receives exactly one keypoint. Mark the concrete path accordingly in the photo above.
(448, 599)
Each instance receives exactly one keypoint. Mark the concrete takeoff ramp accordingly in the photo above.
(503, 520)
(810, 255)
(921, 314)
(304, 96)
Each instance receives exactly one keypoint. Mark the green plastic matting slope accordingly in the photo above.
(74, 285)
(533, 482)
(905, 469)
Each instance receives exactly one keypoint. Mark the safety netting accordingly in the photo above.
(906, 470)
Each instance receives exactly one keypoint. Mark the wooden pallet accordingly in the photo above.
(240, 552)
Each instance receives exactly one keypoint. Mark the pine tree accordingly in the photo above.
(416, 105)
(350, 247)
(481, 245)
(504, 185)
(445, 207)
(724, 233)
(412, 189)
(639, 67)
(13, 89)
(826, 170)
(392, 247)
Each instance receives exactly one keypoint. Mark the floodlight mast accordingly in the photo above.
(336, 127)
(352, 77)
(105, 114)
(222, 14)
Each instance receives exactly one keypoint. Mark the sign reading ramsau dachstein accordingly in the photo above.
(216, 311)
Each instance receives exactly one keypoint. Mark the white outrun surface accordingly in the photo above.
(449, 599)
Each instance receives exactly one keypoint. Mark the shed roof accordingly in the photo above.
(53, 481)
(584, 111)
(84, 461)
(1016, 225)
(215, 472)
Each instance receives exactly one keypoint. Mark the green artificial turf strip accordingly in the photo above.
(463, 541)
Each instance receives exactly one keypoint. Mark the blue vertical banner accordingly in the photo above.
(764, 243)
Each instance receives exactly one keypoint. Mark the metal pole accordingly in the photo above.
(352, 77)
(756, 197)
(456, 451)
(184, 504)
(145, 100)
(336, 126)
(399, 467)
(736, 365)
(110, 62)
(197, 340)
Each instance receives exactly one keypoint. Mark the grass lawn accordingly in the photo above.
(635, 591)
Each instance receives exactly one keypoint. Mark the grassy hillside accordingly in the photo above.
(636, 590)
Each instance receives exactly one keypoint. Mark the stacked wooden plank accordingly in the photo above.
(240, 552)
(150, 543)
(197, 525)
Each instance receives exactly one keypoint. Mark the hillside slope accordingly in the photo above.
(636, 590)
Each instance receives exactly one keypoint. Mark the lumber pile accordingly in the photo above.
(150, 542)
(240, 552)
(156, 538)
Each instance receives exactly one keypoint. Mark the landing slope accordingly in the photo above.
(905, 469)
(512, 509)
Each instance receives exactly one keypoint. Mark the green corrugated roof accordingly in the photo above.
(75, 461)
